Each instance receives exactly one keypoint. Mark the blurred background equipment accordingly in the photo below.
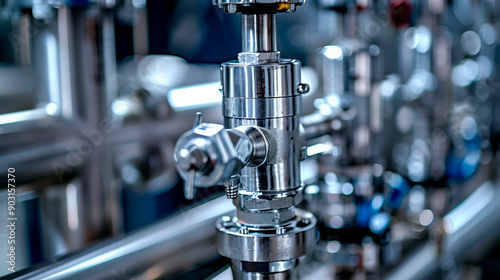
(156, 139)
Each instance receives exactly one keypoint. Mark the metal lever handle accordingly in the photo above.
(189, 188)
(197, 119)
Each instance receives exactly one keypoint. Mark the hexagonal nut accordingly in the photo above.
(280, 203)
(258, 58)
(270, 201)
(216, 143)
(298, 197)
(249, 203)
(245, 202)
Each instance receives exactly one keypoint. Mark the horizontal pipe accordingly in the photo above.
(316, 125)
(39, 141)
(162, 249)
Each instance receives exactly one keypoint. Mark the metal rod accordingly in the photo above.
(258, 32)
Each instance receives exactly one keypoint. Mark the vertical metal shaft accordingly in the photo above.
(258, 32)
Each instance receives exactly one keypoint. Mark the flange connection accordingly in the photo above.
(287, 241)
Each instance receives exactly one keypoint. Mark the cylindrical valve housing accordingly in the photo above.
(266, 95)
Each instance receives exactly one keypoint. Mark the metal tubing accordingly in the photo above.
(259, 33)
(471, 227)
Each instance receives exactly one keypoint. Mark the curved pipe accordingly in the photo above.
(165, 248)
(471, 227)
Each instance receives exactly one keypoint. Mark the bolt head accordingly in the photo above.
(280, 230)
(244, 230)
(303, 88)
(231, 8)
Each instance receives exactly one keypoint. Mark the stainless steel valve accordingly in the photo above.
(258, 151)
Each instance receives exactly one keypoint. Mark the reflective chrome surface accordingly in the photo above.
(261, 96)
(259, 33)
(289, 240)
(160, 250)
(390, 149)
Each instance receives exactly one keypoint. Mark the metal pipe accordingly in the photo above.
(259, 33)
(66, 54)
(159, 250)
(316, 125)
(282, 270)
(471, 228)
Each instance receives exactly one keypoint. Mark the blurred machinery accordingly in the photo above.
(373, 157)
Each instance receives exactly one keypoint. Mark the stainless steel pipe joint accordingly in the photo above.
(264, 252)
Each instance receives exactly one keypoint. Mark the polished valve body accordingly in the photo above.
(257, 153)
